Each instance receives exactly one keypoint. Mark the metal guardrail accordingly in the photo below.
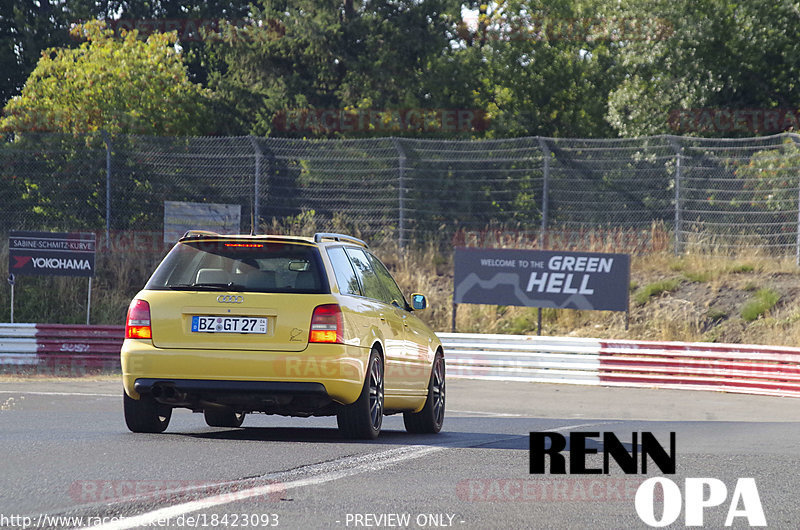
(60, 349)
(740, 368)
(748, 369)
(522, 358)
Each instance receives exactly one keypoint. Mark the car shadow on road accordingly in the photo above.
(493, 439)
(484, 433)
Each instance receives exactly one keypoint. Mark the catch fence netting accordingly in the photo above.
(632, 194)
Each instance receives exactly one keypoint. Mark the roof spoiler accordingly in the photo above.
(199, 233)
(319, 236)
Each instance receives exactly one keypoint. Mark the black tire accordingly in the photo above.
(430, 419)
(145, 414)
(223, 417)
(363, 418)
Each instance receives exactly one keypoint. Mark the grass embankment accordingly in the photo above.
(745, 298)
(719, 297)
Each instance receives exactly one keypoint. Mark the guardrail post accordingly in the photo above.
(11, 283)
(89, 302)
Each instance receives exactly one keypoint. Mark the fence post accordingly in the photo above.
(256, 213)
(796, 139)
(401, 191)
(545, 186)
(678, 169)
(797, 244)
(107, 141)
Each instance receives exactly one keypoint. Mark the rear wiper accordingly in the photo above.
(206, 287)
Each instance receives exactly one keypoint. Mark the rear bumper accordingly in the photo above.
(332, 372)
(278, 397)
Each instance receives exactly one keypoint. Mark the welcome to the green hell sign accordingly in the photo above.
(541, 278)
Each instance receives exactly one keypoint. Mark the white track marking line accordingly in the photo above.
(321, 474)
(33, 393)
(364, 463)
(570, 427)
(558, 429)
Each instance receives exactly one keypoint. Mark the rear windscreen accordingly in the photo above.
(267, 267)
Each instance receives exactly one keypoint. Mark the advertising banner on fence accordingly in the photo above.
(180, 217)
(51, 253)
(542, 278)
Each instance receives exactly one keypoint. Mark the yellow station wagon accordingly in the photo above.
(235, 324)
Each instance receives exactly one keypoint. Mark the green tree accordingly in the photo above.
(122, 85)
(149, 14)
(27, 28)
(713, 54)
(771, 176)
(546, 68)
(308, 54)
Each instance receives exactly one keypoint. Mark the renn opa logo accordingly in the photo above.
(698, 493)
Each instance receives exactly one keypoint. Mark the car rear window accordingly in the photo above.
(247, 266)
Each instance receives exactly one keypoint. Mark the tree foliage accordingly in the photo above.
(546, 67)
(561, 68)
(331, 55)
(117, 84)
(717, 54)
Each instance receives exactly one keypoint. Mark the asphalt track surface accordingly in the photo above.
(65, 452)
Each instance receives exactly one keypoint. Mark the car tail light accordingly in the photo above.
(326, 324)
(137, 325)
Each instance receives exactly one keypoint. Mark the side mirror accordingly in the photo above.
(418, 301)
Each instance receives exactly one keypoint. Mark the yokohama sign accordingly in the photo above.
(51, 253)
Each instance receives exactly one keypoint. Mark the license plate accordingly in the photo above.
(229, 324)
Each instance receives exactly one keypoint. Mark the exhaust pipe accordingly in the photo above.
(167, 393)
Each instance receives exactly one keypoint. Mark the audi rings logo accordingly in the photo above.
(230, 299)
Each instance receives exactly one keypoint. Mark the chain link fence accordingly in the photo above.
(640, 194)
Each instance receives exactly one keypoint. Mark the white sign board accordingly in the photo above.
(179, 217)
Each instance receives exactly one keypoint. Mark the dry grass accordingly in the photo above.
(705, 306)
